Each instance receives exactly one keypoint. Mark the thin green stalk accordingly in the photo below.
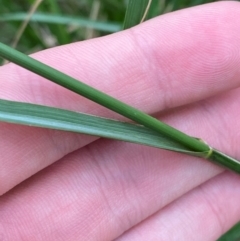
(146, 11)
(100, 98)
(225, 161)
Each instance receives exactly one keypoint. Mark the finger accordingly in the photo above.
(115, 185)
(203, 214)
(86, 197)
(143, 63)
(25, 151)
(214, 120)
(158, 74)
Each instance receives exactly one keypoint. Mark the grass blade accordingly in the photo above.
(136, 12)
(58, 19)
(232, 235)
(59, 119)
(190, 143)
(100, 98)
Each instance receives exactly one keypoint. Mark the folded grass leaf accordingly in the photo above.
(59, 119)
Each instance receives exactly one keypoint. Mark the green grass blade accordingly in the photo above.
(190, 143)
(232, 235)
(59, 119)
(136, 10)
(58, 19)
(100, 98)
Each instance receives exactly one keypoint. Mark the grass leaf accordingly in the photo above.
(59, 119)
(58, 19)
(100, 98)
(190, 143)
(232, 235)
(136, 12)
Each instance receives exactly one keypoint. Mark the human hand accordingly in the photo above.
(100, 189)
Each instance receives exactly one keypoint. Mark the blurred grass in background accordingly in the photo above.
(58, 22)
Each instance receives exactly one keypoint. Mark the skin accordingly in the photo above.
(63, 186)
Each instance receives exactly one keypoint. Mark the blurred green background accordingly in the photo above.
(57, 22)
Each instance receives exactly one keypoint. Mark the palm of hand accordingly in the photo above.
(99, 189)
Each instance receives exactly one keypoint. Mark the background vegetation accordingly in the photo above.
(58, 22)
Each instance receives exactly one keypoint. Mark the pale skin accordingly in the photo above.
(63, 186)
